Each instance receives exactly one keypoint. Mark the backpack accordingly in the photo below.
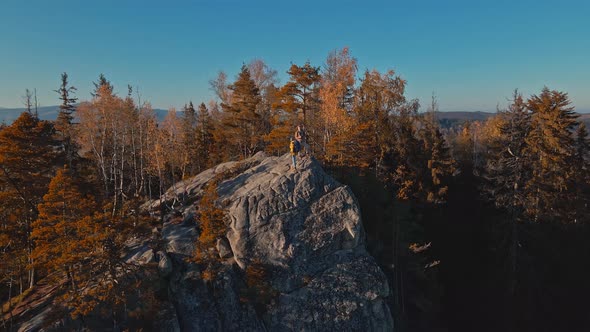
(294, 147)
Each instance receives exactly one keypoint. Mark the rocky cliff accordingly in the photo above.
(303, 233)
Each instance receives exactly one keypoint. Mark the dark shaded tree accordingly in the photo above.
(190, 147)
(204, 138)
(104, 84)
(63, 123)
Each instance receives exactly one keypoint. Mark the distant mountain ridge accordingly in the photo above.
(8, 115)
(446, 119)
(453, 119)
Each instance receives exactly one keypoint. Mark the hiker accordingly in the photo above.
(294, 147)
(301, 138)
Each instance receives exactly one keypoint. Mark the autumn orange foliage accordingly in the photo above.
(212, 227)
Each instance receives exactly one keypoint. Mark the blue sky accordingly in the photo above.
(471, 54)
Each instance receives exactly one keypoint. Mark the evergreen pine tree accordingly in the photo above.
(550, 146)
(402, 156)
(292, 104)
(302, 89)
(27, 156)
(61, 233)
(212, 227)
(508, 166)
(63, 123)
(102, 83)
(204, 139)
(582, 145)
(439, 163)
(189, 140)
(241, 121)
(507, 172)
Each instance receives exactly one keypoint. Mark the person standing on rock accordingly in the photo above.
(301, 138)
(294, 147)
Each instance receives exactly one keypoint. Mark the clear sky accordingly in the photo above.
(471, 53)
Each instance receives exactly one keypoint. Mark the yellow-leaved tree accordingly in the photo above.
(336, 94)
(212, 227)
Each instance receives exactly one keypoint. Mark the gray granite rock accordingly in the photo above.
(189, 218)
(164, 264)
(223, 248)
(301, 230)
(147, 257)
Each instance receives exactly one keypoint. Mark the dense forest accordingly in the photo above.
(480, 226)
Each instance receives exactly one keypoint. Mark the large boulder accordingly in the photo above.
(302, 229)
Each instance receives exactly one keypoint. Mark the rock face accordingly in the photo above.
(302, 229)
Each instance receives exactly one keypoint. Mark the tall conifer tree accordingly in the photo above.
(550, 147)
(63, 123)
(27, 156)
(62, 233)
(189, 140)
(204, 139)
(241, 120)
